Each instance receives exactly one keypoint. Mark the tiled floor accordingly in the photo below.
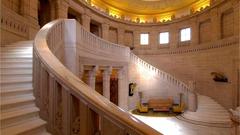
(174, 126)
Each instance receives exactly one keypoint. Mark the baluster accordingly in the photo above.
(58, 109)
(66, 110)
(51, 88)
(44, 93)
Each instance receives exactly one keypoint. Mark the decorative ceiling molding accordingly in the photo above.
(161, 17)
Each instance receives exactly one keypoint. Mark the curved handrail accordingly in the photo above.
(46, 39)
(160, 73)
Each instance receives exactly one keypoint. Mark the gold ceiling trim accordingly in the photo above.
(128, 16)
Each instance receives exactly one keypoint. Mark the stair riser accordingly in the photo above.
(11, 121)
(11, 106)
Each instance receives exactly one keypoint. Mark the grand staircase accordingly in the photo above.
(19, 114)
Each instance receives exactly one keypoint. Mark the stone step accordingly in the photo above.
(18, 71)
(16, 65)
(22, 43)
(15, 60)
(16, 53)
(9, 118)
(16, 91)
(16, 85)
(10, 80)
(25, 56)
(16, 49)
(220, 115)
(29, 127)
(208, 119)
(10, 103)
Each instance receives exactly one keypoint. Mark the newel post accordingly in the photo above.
(192, 97)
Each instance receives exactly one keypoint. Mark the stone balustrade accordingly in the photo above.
(66, 103)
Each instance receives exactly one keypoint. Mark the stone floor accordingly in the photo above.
(174, 126)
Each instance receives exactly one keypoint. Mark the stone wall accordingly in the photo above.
(198, 66)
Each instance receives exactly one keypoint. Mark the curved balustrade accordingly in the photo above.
(66, 103)
(88, 39)
(171, 79)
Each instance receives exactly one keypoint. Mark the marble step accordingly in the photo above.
(16, 91)
(221, 115)
(30, 127)
(18, 71)
(208, 119)
(15, 60)
(24, 56)
(15, 53)
(15, 80)
(9, 118)
(16, 65)
(22, 43)
(16, 85)
(10, 103)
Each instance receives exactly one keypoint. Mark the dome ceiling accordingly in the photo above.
(148, 11)
(147, 7)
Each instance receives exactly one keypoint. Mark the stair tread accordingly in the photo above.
(16, 89)
(8, 101)
(17, 71)
(23, 127)
(18, 112)
(15, 79)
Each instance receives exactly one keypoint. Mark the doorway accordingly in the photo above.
(44, 12)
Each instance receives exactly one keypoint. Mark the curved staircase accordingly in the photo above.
(19, 114)
(209, 112)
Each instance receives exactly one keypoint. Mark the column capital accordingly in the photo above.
(107, 71)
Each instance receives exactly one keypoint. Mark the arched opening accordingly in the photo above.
(44, 12)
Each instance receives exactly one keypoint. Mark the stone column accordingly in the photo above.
(105, 31)
(61, 9)
(86, 21)
(192, 97)
(92, 77)
(106, 82)
(122, 89)
(120, 32)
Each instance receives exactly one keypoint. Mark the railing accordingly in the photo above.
(67, 104)
(168, 77)
(89, 39)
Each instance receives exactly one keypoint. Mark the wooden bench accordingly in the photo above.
(160, 104)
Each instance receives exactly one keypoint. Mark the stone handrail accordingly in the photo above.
(67, 104)
(168, 77)
(93, 41)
